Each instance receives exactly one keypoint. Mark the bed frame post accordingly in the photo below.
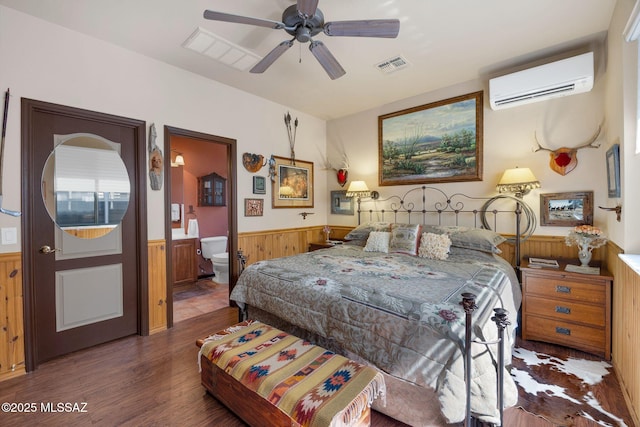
(517, 243)
(469, 305)
(501, 322)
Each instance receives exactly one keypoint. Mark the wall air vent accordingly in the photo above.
(392, 64)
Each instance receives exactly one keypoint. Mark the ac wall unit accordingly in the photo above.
(561, 78)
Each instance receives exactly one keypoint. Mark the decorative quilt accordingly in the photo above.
(401, 313)
(314, 386)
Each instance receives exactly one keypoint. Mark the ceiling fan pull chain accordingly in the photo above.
(299, 53)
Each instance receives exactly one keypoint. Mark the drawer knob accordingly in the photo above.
(563, 289)
(563, 310)
(563, 331)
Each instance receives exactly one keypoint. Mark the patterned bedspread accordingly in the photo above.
(399, 312)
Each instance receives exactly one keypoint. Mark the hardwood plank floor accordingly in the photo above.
(142, 381)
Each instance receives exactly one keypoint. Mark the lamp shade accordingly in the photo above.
(179, 160)
(517, 180)
(357, 188)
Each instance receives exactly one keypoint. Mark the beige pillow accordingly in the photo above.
(434, 246)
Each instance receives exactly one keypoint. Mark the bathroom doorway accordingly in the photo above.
(198, 206)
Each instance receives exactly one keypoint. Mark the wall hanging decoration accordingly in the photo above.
(293, 187)
(259, 186)
(564, 160)
(253, 207)
(340, 203)
(566, 209)
(613, 171)
(291, 132)
(4, 131)
(156, 169)
(437, 142)
(253, 162)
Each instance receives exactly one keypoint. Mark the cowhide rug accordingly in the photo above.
(563, 390)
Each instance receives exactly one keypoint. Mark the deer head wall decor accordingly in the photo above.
(564, 160)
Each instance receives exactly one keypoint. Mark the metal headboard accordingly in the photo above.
(431, 205)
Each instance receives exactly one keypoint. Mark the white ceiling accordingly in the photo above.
(445, 41)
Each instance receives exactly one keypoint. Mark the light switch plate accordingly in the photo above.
(9, 235)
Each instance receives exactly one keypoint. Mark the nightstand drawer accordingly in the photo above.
(561, 288)
(581, 337)
(568, 311)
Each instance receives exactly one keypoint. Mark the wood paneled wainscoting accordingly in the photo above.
(625, 328)
(12, 361)
(267, 244)
(157, 261)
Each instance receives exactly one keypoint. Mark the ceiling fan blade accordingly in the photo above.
(307, 8)
(271, 57)
(227, 17)
(327, 60)
(387, 28)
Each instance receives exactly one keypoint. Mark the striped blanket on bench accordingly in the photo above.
(313, 386)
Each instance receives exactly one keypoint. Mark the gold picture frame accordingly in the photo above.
(293, 184)
(432, 143)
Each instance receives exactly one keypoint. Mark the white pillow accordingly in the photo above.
(434, 246)
(378, 241)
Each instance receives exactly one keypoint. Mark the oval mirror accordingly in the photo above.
(85, 185)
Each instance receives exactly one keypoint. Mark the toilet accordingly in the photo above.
(214, 249)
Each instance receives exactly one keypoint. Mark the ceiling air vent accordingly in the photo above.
(392, 64)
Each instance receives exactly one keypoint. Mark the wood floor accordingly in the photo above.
(143, 381)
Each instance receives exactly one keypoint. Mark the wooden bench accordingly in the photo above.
(270, 378)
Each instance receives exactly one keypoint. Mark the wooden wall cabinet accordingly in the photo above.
(212, 190)
(185, 266)
(566, 308)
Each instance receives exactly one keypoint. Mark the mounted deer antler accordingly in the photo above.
(341, 173)
(564, 160)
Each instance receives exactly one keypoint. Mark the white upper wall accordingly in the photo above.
(508, 142)
(49, 63)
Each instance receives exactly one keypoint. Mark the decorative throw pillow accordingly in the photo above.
(378, 241)
(434, 246)
(405, 238)
(479, 239)
(360, 234)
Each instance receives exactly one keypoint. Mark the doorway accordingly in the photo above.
(84, 250)
(190, 216)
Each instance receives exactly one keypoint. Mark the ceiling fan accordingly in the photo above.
(304, 20)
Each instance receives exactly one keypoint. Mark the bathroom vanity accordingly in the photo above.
(185, 264)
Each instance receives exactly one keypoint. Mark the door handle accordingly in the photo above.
(46, 249)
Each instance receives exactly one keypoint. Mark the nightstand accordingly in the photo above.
(566, 308)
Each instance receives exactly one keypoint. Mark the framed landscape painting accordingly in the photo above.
(433, 143)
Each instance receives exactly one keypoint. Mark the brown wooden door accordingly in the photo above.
(86, 291)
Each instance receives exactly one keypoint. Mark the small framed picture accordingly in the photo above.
(259, 185)
(566, 209)
(613, 171)
(340, 203)
(253, 207)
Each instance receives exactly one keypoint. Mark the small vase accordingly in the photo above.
(584, 255)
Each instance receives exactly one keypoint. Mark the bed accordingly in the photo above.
(399, 309)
